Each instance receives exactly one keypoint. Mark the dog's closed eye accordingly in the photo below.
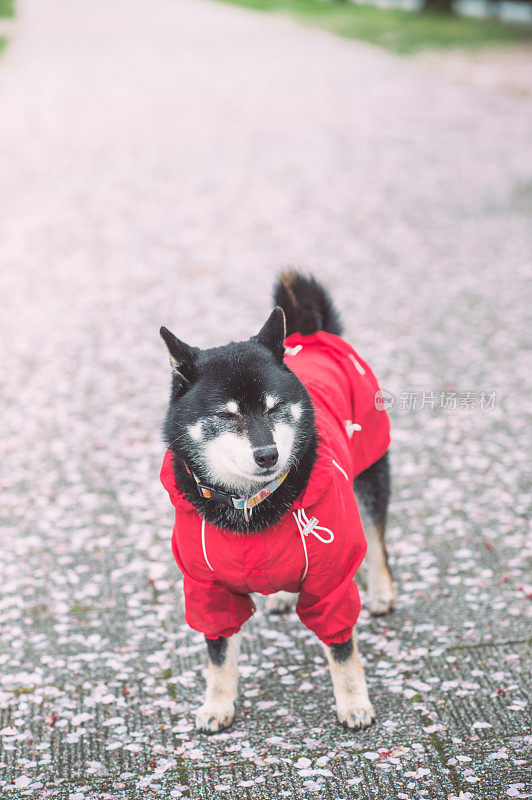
(277, 407)
(229, 411)
(227, 415)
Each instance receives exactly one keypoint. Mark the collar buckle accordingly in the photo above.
(209, 493)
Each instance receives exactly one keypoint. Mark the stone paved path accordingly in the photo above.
(158, 163)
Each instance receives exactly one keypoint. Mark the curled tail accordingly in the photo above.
(306, 305)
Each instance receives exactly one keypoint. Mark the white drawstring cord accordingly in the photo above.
(203, 543)
(306, 526)
(300, 527)
(311, 526)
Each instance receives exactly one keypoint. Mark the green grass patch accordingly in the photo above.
(7, 8)
(403, 32)
(22, 690)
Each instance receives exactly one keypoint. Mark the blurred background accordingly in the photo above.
(159, 163)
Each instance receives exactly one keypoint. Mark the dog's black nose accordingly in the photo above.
(266, 457)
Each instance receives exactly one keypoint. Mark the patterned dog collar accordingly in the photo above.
(245, 503)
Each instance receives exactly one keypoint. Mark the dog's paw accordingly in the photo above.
(280, 602)
(355, 713)
(382, 599)
(382, 604)
(215, 717)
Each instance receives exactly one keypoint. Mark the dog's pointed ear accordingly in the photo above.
(273, 333)
(182, 356)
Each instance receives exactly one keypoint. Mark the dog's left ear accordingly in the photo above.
(273, 333)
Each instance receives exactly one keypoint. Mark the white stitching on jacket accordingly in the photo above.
(344, 473)
(358, 366)
(203, 543)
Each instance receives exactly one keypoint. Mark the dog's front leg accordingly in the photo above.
(218, 710)
(353, 706)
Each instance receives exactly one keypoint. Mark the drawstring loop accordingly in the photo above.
(308, 526)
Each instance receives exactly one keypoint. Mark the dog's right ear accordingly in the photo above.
(273, 333)
(182, 357)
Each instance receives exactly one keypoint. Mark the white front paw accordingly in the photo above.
(213, 717)
(382, 601)
(355, 712)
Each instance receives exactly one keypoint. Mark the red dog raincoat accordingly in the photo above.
(317, 547)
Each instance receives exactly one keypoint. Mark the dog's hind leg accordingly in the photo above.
(280, 602)
(353, 705)
(372, 489)
(218, 710)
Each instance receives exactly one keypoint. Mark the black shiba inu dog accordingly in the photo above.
(243, 439)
